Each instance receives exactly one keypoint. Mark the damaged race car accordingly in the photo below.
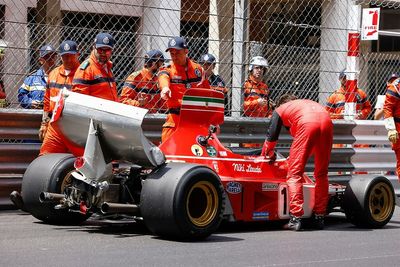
(182, 189)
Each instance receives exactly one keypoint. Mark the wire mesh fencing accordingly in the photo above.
(304, 42)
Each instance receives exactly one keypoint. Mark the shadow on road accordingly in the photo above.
(125, 228)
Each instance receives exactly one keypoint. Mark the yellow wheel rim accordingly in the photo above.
(381, 202)
(202, 203)
(66, 182)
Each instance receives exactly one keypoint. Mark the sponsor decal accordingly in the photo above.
(66, 47)
(269, 187)
(197, 150)
(199, 102)
(234, 188)
(240, 167)
(177, 77)
(172, 42)
(197, 72)
(106, 40)
(260, 215)
(223, 153)
(215, 166)
(211, 151)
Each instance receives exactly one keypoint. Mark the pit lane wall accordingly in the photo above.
(19, 145)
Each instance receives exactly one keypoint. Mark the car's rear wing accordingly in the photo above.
(119, 127)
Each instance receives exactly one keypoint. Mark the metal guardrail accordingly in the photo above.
(19, 145)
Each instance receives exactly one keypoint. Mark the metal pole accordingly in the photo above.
(239, 54)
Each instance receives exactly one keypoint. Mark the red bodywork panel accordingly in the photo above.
(255, 186)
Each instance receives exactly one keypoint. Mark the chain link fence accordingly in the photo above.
(304, 42)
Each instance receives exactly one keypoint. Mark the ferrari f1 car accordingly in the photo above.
(182, 189)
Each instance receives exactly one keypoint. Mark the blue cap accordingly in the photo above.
(207, 58)
(176, 43)
(46, 49)
(342, 74)
(393, 75)
(68, 47)
(104, 40)
(153, 56)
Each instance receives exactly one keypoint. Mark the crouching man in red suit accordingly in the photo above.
(312, 131)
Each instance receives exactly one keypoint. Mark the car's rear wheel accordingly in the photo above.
(369, 202)
(49, 173)
(182, 201)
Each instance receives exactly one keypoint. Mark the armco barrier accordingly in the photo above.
(19, 145)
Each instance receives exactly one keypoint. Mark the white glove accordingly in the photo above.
(43, 130)
(262, 101)
(166, 93)
(36, 104)
(393, 136)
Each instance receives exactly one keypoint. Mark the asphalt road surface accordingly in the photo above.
(24, 241)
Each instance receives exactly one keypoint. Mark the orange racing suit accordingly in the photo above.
(142, 84)
(312, 131)
(253, 91)
(391, 108)
(336, 101)
(55, 142)
(94, 79)
(179, 79)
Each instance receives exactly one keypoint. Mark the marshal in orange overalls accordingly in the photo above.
(391, 109)
(141, 90)
(55, 142)
(179, 79)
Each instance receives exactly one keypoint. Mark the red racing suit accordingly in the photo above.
(391, 108)
(142, 85)
(55, 142)
(312, 131)
(179, 79)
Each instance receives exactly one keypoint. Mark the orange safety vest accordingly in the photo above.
(142, 84)
(94, 79)
(253, 91)
(336, 101)
(54, 141)
(179, 79)
(391, 108)
(57, 80)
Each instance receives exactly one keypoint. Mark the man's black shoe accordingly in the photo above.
(294, 224)
(16, 198)
(319, 222)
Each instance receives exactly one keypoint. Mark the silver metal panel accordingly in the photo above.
(370, 132)
(374, 159)
(119, 125)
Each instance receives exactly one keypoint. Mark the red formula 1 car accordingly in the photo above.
(182, 189)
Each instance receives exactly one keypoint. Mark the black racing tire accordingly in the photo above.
(49, 173)
(182, 201)
(369, 202)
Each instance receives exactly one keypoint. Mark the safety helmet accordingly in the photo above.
(207, 58)
(258, 61)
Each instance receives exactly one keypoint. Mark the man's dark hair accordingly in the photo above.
(285, 98)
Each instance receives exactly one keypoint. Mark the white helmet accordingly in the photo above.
(258, 61)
